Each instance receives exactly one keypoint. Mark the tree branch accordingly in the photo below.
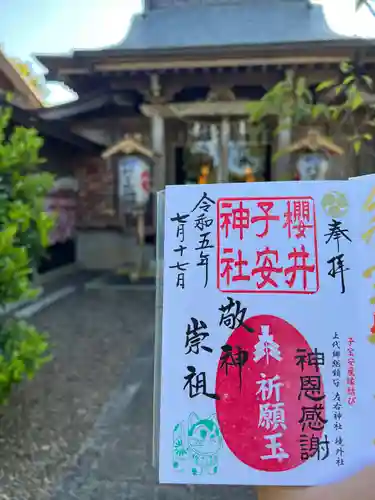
(368, 4)
(370, 8)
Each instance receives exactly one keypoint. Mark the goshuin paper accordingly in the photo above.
(268, 322)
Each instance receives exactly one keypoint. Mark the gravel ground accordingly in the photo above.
(94, 335)
(83, 428)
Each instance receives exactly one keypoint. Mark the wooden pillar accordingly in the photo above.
(160, 167)
(281, 169)
(223, 168)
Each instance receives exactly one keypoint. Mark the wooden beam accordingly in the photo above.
(212, 63)
(21, 85)
(74, 108)
(116, 59)
(282, 167)
(197, 108)
(202, 78)
(57, 130)
(74, 71)
(131, 122)
(317, 75)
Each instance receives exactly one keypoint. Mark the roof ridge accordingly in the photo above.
(265, 4)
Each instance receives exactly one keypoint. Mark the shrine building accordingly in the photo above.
(182, 79)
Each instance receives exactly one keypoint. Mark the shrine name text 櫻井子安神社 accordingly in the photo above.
(242, 268)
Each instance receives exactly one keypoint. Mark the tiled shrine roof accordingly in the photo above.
(262, 22)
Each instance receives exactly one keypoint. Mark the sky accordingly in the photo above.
(60, 26)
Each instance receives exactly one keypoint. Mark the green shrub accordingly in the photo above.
(23, 352)
(24, 228)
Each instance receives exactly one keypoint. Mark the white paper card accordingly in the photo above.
(266, 359)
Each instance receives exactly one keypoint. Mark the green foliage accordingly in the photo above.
(23, 351)
(36, 82)
(24, 228)
(338, 103)
(290, 100)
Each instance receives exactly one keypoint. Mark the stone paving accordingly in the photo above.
(94, 335)
(83, 428)
(116, 465)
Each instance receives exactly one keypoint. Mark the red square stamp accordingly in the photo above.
(267, 245)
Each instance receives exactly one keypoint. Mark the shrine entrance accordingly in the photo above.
(216, 143)
(223, 151)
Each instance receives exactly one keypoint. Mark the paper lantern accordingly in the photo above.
(135, 176)
(312, 166)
